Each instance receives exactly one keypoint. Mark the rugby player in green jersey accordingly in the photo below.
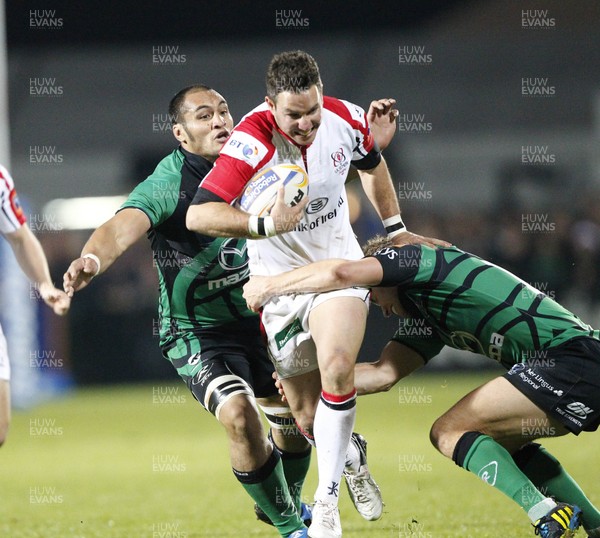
(206, 330)
(456, 299)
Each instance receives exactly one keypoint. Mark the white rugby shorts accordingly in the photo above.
(285, 319)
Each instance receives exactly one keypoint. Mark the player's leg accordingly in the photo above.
(552, 479)
(294, 449)
(302, 391)
(256, 464)
(337, 326)
(221, 384)
(571, 393)
(396, 362)
(482, 430)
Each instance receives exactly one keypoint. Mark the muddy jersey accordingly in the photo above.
(458, 299)
(256, 143)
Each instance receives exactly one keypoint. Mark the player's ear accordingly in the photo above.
(270, 103)
(178, 132)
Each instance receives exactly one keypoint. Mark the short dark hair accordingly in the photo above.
(293, 71)
(376, 243)
(176, 103)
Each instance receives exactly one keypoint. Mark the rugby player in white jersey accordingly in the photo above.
(313, 339)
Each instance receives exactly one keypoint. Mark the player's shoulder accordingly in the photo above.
(251, 141)
(345, 110)
(259, 123)
(162, 185)
(168, 168)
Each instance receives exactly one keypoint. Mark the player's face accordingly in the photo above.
(298, 115)
(205, 124)
(388, 301)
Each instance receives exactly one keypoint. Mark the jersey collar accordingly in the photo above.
(197, 163)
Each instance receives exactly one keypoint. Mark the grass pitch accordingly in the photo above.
(149, 462)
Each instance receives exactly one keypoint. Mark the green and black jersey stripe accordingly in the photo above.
(457, 299)
(200, 277)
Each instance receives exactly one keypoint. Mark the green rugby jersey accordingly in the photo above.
(457, 299)
(200, 277)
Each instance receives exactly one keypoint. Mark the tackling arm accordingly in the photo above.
(107, 243)
(219, 219)
(395, 363)
(378, 186)
(316, 277)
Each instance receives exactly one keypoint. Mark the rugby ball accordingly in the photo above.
(261, 191)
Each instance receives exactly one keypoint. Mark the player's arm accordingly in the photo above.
(104, 246)
(32, 260)
(316, 277)
(212, 216)
(395, 363)
(378, 186)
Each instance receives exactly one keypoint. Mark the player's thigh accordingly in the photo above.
(496, 409)
(4, 409)
(337, 327)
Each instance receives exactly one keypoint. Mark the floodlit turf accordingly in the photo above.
(147, 461)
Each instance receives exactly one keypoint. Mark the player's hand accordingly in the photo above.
(255, 292)
(279, 387)
(409, 238)
(285, 217)
(79, 275)
(382, 119)
(55, 298)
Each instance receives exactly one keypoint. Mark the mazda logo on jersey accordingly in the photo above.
(232, 255)
(316, 205)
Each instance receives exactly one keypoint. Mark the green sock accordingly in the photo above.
(295, 468)
(493, 464)
(549, 476)
(268, 488)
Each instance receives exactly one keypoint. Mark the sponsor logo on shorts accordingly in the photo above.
(516, 369)
(531, 377)
(287, 333)
(203, 375)
(578, 409)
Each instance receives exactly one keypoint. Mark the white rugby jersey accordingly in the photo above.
(256, 143)
(11, 214)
